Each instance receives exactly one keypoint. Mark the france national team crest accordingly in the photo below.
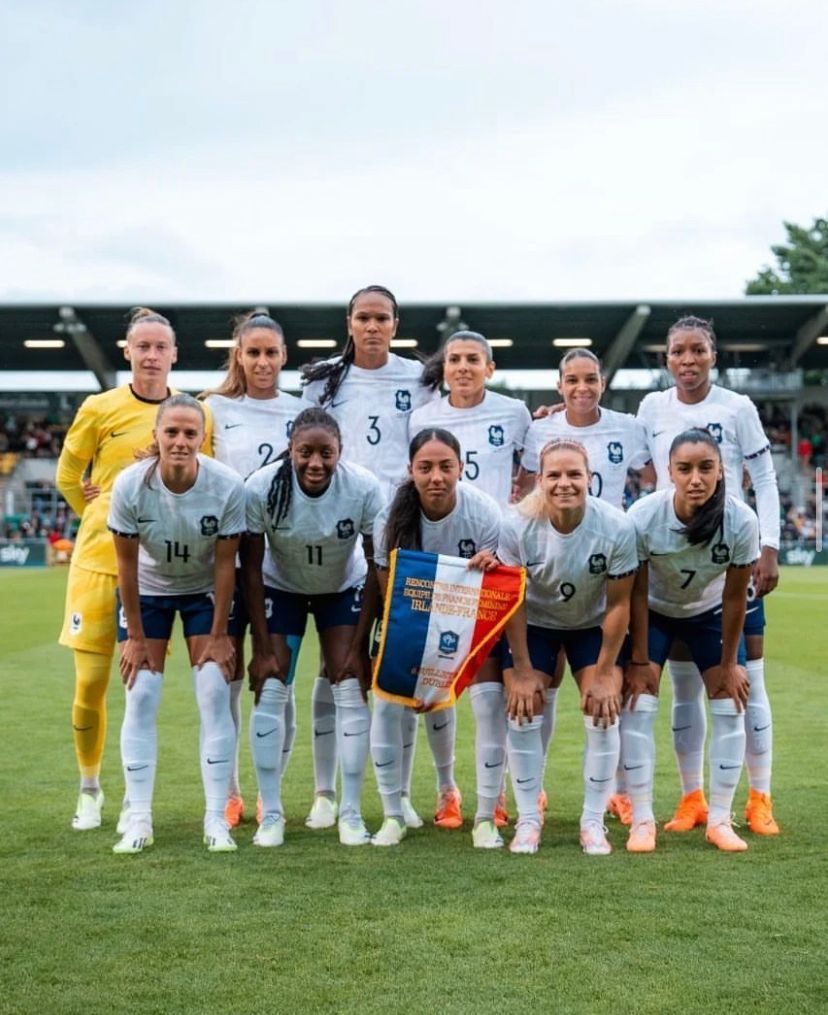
(344, 528)
(402, 398)
(597, 563)
(449, 643)
(715, 430)
(496, 436)
(615, 452)
(720, 553)
(76, 623)
(466, 548)
(209, 525)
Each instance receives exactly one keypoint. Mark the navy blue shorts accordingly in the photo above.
(754, 614)
(158, 614)
(239, 619)
(701, 634)
(582, 648)
(287, 612)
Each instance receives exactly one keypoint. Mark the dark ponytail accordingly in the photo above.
(281, 486)
(335, 369)
(708, 520)
(403, 530)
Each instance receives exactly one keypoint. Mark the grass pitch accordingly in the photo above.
(433, 924)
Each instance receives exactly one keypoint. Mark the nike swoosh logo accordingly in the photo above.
(726, 767)
(119, 433)
(520, 782)
(654, 554)
(756, 729)
(324, 733)
(489, 764)
(632, 768)
(335, 405)
(407, 746)
(232, 426)
(383, 764)
(143, 521)
(534, 563)
(359, 733)
(83, 729)
(217, 761)
(678, 729)
(260, 735)
(136, 768)
(600, 780)
(438, 728)
(657, 433)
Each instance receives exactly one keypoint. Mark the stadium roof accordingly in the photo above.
(770, 332)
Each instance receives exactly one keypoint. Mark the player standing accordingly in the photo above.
(177, 518)
(317, 515)
(580, 558)
(434, 512)
(252, 423)
(697, 545)
(371, 392)
(734, 422)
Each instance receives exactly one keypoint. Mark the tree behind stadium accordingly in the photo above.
(802, 263)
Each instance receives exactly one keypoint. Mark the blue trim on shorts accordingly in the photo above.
(582, 648)
(287, 612)
(701, 634)
(158, 614)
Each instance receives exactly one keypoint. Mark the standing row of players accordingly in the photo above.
(380, 400)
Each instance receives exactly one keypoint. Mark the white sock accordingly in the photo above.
(488, 703)
(689, 722)
(267, 736)
(550, 710)
(353, 725)
(323, 720)
(638, 755)
(387, 753)
(526, 766)
(727, 755)
(759, 729)
(290, 728)
(235, 711)
(601, 753)
(410, 726)
(441, 728)
(620, 778)
(139, 741)
(219, 736)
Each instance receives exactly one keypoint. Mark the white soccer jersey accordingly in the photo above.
(686, 580)
(317, 548)
(616, 443)
(177, 532)
(489, 433)
(567, 573)
(251, 432)
(473, 525)
(372, 408)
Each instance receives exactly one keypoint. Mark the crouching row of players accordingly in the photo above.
(316, 538)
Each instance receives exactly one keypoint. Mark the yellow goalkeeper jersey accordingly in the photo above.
(103, 438)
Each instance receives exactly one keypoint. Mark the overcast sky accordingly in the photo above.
(282, 151)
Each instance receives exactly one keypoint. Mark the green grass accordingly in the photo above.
(432, 925)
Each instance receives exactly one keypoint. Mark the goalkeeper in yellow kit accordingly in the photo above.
(105, 434)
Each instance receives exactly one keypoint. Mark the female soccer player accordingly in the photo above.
(252, 423)
(433, 511)
(102, 440)
(176, 518)
(734, 423)
(580, 558)
(371, 392)
(491, 428)
(696, 545)
(317, 514)
(615, 442)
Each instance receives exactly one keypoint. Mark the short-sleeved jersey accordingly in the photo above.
(489, 433)
(177, 532)
(106, 432)
(616, 443)
(317, 548)
(472, 525)
(372, 408)
(730, 417)
(567, 573)
(249, 433)
(686, 580)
